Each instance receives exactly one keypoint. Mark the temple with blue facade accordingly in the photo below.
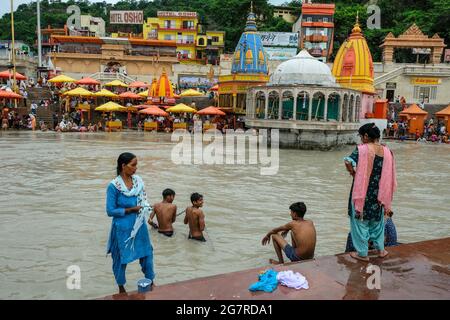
(249, 69)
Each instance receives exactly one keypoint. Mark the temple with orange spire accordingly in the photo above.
(353, 69)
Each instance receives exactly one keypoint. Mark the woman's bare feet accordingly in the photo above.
(354, 255)
(382, 253)
(274, 261)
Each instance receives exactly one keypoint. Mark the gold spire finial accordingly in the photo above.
(356, 27)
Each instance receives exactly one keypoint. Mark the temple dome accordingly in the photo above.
(303, 69)
(250, 56)
(353, 66)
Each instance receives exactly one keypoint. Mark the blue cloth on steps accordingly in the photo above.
(267, 282)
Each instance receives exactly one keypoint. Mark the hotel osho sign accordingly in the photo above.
(126, 17)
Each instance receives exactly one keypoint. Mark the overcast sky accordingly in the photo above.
(5, 5)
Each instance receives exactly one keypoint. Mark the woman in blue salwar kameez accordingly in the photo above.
(126, 203)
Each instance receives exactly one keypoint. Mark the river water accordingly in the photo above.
(52, 208)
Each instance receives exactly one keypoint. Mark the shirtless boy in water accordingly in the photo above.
(165, 212)
(303, 235)
(195, 218)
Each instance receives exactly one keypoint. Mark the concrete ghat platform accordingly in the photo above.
(411, 271)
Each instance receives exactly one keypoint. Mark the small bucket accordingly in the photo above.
(144, 285)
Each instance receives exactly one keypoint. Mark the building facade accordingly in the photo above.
(425, 83)
(194, 43)
(137, 58)
(288, 14)
(316, 28)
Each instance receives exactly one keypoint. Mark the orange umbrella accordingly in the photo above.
(8, 74)
(138, 84)
(154, 111)
(129, 95)
(9, 95)
(88, 81)
(211, 111)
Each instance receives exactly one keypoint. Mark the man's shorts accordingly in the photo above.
(290, 253)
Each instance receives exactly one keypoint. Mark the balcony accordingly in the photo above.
(174, 28)
(316, 38)
(186, 42)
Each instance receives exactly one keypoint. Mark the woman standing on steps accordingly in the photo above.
(372, 166)
(126, 202)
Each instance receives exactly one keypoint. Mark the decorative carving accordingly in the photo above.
(436, 36)
(390, 35)
(413, 31)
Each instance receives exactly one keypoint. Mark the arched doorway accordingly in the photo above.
(318, 106)
(274, 105)
(288, 106)
(302, 105)
(113, 67)
(333, 106)
(260, 105)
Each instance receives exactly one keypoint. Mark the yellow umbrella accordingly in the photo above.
(105, 93)
(79, 92)
(111, 107)
(181, 108)
(116, 83)
(61, 78)
(191, 93)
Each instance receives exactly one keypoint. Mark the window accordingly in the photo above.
(325, 19)
(309, 19)
(215, 39)
(433, 93)
(169, 24)
(425, 94)
(169, 37)
(188, 24)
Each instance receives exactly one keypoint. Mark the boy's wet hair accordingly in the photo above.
(168, 192)
(196, 196)
(299, 208)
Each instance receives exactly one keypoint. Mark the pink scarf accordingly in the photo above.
(388, 181)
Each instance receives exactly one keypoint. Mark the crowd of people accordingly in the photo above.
(432, 132)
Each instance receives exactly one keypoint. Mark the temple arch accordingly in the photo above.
(287, 105)
(302, 105)
(333, 106)
(318, 106)
(260, 105)
(274, 105)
